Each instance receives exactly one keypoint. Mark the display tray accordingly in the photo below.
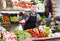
(51, 38)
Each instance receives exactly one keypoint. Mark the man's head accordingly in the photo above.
(33, 8)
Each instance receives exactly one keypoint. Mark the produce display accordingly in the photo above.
(18, 4)
(47, 30)
(29, 34)
(9, 36)
(5, 19)
(14, 18)
(21, 35)
(22, 4)
(36, 33)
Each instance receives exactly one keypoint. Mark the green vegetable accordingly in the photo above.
(1, 39)
(58, 27)
(47, 30)
(14, 18)
(21, 35)
(26, 33)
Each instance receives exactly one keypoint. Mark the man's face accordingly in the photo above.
(33, 8)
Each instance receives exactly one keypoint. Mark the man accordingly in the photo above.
(32, 19)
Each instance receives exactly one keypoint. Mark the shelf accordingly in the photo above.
(9, 11)
(21, 10)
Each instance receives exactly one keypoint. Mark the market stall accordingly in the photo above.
(41, 26)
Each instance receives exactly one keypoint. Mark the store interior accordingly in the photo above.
(29, 20)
